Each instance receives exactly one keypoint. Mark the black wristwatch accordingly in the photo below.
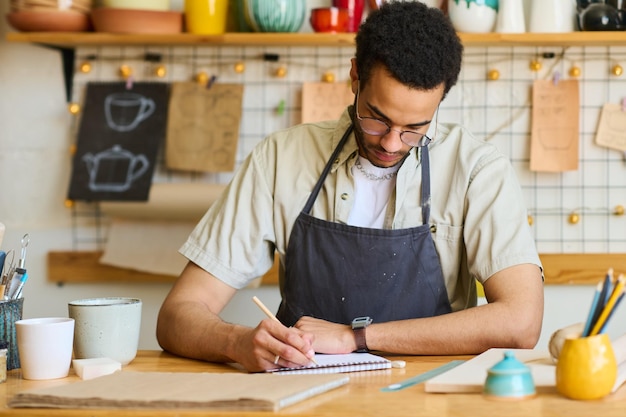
(358, 327)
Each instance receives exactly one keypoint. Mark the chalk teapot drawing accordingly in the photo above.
(114, 169)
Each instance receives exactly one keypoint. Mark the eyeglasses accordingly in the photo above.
(377, 127)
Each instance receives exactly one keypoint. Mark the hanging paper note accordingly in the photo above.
(325, 101)
(120, 132)
(611, 131)
(554, 136)
(203, 126)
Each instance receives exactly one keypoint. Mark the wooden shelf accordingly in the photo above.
(74, 39)
(85, 267)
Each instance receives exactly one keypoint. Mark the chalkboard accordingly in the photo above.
(120, 132)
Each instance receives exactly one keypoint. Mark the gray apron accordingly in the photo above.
(337, 272)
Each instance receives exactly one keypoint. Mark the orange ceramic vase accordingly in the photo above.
(586, 368)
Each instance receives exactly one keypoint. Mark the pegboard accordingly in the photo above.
(492, 98)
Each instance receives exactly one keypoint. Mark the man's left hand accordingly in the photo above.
(329, 337)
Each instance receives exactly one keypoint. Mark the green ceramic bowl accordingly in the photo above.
(275, 15)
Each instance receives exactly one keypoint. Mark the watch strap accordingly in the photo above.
(359, 337)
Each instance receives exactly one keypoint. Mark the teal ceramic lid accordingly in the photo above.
(509, 365)
(509, 379)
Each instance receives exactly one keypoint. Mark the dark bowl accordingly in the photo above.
(600, 17)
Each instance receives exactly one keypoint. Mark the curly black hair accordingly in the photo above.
(415, 43)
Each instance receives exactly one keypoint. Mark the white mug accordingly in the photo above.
(106, 327)
(45, 346)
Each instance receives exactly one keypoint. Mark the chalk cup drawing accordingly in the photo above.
(114, 169)
(124, 111)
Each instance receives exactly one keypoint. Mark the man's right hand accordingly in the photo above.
(271, 345)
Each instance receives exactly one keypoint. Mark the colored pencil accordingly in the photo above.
(604, 294)
(610, 305)
(592, 310)
(619, 299)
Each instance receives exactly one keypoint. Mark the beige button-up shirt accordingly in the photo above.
(478, 216)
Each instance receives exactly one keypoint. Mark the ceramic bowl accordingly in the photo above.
(509, 379)
(53, 21)
(473, 17)
(82, 6)
(329, 19)
(111, 20)
(275, 15)
(162, 5)
(600, 16)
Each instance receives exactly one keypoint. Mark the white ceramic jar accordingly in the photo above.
(473, 16)
(552, 16)
(510, 17)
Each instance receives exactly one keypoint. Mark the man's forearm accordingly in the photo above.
(512, 318)
(190, 329)
(469, 331)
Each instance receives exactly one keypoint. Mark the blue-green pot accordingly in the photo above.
(275, 15)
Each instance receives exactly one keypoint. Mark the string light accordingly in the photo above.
(328, 77)
(202, 78)
(240, 67)
(575, 71)
(73, 108)
(493, 75)
(85, 67)
(576, 215)
(160, 71)
(125, 71)
(280, 72)
(617, 70)
(535, 65)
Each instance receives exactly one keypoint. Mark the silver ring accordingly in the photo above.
(276, 359)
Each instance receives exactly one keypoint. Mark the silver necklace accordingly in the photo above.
(371, 176)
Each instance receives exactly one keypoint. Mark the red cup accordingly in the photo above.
(329, 19)
(355, 12)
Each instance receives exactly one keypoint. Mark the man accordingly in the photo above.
(383, 217)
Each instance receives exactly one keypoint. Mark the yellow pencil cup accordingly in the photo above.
(586, 368)
(206, 17)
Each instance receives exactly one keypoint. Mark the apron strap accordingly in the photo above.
(425, 197)
(425, 185)
(316, 190)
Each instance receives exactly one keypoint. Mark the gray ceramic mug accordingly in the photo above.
(106, 327)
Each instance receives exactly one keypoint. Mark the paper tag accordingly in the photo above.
(611, 131)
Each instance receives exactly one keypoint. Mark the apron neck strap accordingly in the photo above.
(425, 184)
(316, 190)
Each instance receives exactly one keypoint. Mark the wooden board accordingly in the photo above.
(84, 267)
(470, 376)
(581, 268)
(559, 269)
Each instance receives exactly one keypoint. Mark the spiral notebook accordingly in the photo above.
(333, 364)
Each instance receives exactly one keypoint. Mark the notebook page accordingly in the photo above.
(330, 364)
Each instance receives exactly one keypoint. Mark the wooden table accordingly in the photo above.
(361, 397)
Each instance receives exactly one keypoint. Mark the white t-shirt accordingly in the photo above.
(373, 187)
